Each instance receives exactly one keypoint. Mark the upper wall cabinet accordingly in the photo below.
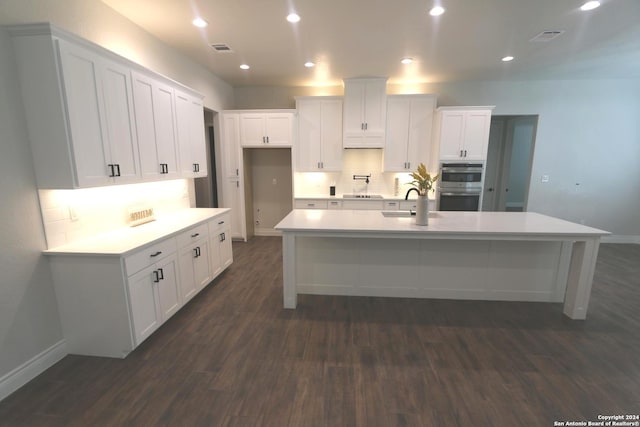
(409, 128)
(462, 133)
(154, 106)
(266, 129)
(319, 146)
(93, 117)
(190, 133)
(365, 112)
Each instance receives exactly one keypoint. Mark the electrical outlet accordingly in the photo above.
(545, 178)
(140, 215)
(73, 214)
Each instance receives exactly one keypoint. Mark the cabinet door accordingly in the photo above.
(163, 108)
(144, 304)
(215, 261)
(231, 145)
(167, 287)
(80, 72)
(354, 96)
(252, 130)
(190, 136)
(451, 134)
(188, 287)
(375, 106)
(365, 113)
(331, 147)
(234, 199)
(120, 120)
(278, 129)
(397, 138)
(420, 130)
(145, 126)
(226, 251)
(309, 135)
(201, 264)
(476, 135)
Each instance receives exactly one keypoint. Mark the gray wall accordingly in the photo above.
(588, 134)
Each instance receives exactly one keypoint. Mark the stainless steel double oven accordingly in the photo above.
(460, 186)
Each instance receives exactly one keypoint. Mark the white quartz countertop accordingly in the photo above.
(385, 197)
(126, 239)
(471, 224)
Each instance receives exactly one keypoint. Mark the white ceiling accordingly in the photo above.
(352, 38)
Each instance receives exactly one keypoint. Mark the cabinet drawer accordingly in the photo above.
(391, 205)
(335, 204)
(147, 256)
(219, 223)
(311, 204)
(192, 235)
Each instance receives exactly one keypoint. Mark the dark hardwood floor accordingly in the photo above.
(234, 357)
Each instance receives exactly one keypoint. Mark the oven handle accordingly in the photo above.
(462, 170)
(461, 193)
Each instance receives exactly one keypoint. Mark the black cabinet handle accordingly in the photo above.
(196, 167)
(112, 173)
(117, 169)
(156, 277)
(156, 254)
(195, 235)
(221, 222)
(161, 274)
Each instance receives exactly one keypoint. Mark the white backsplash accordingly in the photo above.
(354, 162)
(72, 215)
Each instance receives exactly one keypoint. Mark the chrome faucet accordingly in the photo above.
(406, 197)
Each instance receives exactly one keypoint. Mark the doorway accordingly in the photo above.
(509, 160)
(206, 188)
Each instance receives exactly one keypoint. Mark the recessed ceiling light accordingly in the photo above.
(244, 66)
(436, 11)
(590, 5)
(507, 59)
(309, 64)
(199, 22)
(407, 61)
(293, 17)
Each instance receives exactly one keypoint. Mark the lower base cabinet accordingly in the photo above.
(109, 304)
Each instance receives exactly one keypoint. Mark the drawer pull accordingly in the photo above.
(221, 222)
(195, 235)
(156, 254)
(156, 277)
(161, 275)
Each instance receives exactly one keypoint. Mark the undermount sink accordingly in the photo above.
(398, 213)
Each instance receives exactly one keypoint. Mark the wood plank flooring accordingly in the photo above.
(235, 357)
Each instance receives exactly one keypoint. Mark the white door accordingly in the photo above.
(120, 121)
(375, 107)
(163, 109)
(230, 144)
(187, 278)
(476, 135)
(354, 100)
(145, 126)
(86, 121)
(202, 264)
(197, 137)
(420, 129)
(144, 306)
(331, 147)
(167, 287)
(278, 129)
(252, 130)
(451, 135)
(309, 135)
(226, 251)
(183, 130)
(215, 263)
(397, 138)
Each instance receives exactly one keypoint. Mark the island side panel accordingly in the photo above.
(290, 295)
(583, 265)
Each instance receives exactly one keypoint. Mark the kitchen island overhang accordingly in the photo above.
(506, 256)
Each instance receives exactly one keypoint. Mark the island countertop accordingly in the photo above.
(441, 223)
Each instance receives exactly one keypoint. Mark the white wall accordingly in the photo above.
(29, 322)
(588, 134)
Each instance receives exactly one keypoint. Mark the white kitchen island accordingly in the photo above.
(508, 256)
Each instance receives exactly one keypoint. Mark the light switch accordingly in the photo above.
(545, 178)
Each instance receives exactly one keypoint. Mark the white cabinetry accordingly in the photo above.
(266, 129)
(154, 108)
(110, 302)
(153, 293)
(319, 146)
(195, 269)
(409, 128)
(233, 182)
(365, 112)
(96, 118)
(463, 132)
(190, 135)
(80, 117)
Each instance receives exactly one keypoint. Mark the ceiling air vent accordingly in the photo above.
(221, 48)
(546, 36)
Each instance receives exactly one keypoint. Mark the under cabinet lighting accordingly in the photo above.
(590, 5)
(436, 11)
(244, 66)
(199, 22)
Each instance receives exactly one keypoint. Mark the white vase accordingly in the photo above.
(422, 210)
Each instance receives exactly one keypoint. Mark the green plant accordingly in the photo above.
(422, 180)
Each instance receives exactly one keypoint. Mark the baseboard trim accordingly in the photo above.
(24, 373)
(621, 239)
(266, 232)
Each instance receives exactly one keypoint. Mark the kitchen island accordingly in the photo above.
(507, 256)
